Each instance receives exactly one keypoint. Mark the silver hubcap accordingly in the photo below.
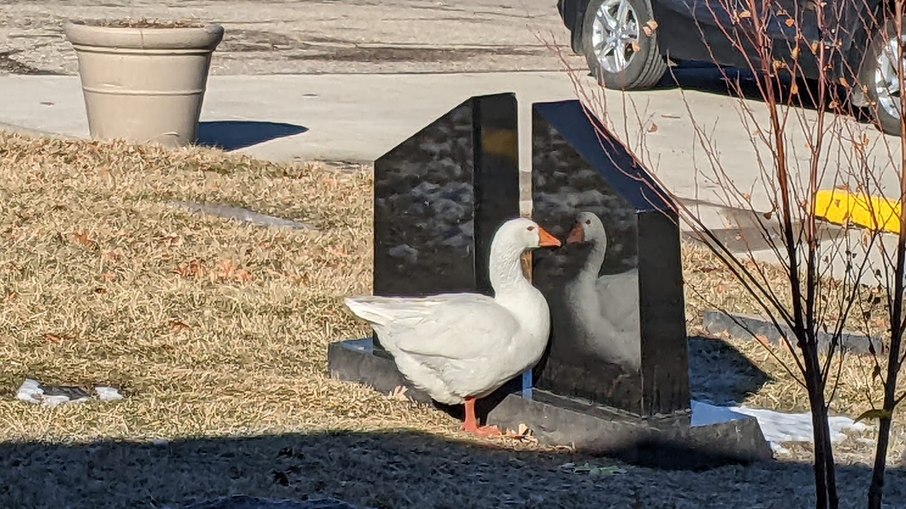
(615, 35)
(887, 81)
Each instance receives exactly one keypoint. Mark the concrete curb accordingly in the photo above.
(745, 327)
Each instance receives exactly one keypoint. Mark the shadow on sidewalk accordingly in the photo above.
(236, 134)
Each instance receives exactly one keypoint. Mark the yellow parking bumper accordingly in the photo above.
(872, 212)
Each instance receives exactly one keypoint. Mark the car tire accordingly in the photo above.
(873, 67)
(645, 65)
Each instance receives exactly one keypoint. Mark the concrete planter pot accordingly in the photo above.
(143, 82)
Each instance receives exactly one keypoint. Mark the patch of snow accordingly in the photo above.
(704, 414)
(778, 427)
(34, 392)
(30, 391)
(108, 394)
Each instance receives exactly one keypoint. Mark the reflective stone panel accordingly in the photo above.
(439, 197)
(615, 288)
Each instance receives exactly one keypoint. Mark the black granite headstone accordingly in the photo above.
(439, 197)
(618, 334)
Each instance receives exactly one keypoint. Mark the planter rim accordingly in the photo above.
(85, 34)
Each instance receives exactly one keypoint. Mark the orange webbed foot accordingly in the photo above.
(483, 431)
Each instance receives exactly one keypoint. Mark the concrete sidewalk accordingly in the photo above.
(356, 118)
(353, 118)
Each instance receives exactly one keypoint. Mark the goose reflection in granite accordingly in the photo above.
(604, 309)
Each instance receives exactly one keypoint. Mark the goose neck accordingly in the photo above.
(505, 267)
(596, 256)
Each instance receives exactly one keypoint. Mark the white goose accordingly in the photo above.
(459, 347)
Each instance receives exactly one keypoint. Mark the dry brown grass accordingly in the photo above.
(213, 327)
(217, 329)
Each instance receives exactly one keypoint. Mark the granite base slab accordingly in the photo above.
(684, 441)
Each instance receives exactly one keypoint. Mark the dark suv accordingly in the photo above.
(626, 42)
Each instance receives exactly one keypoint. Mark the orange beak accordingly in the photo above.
(576, 235)
(547, 240)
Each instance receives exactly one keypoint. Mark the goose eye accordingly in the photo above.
(531, 228)
(588, 221)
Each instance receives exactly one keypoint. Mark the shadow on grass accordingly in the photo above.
(400, 469)
(720, 374)
(236, 134)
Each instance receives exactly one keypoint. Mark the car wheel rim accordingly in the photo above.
(887, 81)
(615, 35)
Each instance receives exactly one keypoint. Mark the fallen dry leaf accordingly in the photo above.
(399, 393)
(55, 337)
(652, 128)
(522, 433)
(338, 252)
(81, 238)
(193, 268)
(229, 270)
(171, 240)
(111, 256)
(243, 275)
(744, 14)
(790, 22)
(179, 326)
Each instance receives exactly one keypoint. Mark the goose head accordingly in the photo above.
(587, 229)
(512, 239)
(523, 234)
